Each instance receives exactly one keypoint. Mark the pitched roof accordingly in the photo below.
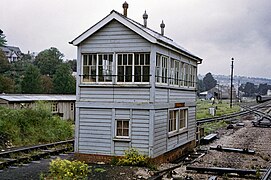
(9, 50)
(147, 33)
(36, 97)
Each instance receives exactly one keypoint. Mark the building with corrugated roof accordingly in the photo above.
(136, 88)
(62, 105)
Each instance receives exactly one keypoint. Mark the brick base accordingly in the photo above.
(175, 153)
(167, 157)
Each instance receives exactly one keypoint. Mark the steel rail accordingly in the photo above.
(267, 175)
(31, 148)
(8, 158)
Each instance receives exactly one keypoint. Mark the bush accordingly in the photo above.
(33, 126)
(133, 158)
(65, 169)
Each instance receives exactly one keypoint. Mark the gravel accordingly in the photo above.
(253, 138)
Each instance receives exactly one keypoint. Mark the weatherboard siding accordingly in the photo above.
(191, 123)
(95, 131)
(160, 132)
(115, 37)
(109, 94)
(173, 95)
(140, 130)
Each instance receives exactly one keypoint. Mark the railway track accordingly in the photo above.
(245, 152)
(27, 154)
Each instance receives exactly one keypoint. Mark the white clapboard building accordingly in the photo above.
(135, 88)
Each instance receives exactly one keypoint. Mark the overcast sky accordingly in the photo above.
(215, 30)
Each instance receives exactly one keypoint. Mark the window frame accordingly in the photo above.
(133, 68)
(95, 57)
(54, 107)
(178, 129)
(116, 129)
(162, 68)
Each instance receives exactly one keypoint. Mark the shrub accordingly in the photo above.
(33, 126)
(133, 158)
(65, 169)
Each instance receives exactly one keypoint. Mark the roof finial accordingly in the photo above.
(125, 7)
(162, 25)
(145, 17)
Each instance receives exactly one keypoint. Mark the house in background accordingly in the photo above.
(62, 105)
(12, 53)
(136, 88)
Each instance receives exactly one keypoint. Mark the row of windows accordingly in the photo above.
(135, 67)
(173, 72)
(177, 121)
(130, 67)
(54, 107)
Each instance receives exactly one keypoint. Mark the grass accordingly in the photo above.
(213, 126)
(222, 108)
(32, 126)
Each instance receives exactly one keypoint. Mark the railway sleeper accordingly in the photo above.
(220, 148)
(218, 170)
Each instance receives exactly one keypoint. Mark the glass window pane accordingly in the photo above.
(146, 73)
(125, 59)
(85, 62)
(120, 74)
(137, 73)
(141, 59)
(125, 132)
(147, 59)
(125, 124)
(136, 59)
(119, 132)
(119, 59)
(130, 59)
(128, 74)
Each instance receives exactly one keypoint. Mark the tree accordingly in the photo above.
(73, 64)
(209, 82)
(262, 89)
(48, 60)
(249, 89)
(64, 82)
(3, 40)
(31, 83)
(47, 84)
(4, 64)
(200, 86)
(6, 85)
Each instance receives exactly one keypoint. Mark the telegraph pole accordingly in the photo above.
(232, 59)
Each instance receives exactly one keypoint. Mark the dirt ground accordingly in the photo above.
(252, 138)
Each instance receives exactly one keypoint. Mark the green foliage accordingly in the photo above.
(64, 82)
(3, 40)
(222, 108)
(213, 126)
(31, 83)
(4, 64)
(99, 170)
(7, 85)
(133, 158)
(48, 61)
(65, 169)
(32, 126)
(209, 82)
(47, 84)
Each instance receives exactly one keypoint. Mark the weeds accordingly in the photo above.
(32, 126)
(65, 169)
